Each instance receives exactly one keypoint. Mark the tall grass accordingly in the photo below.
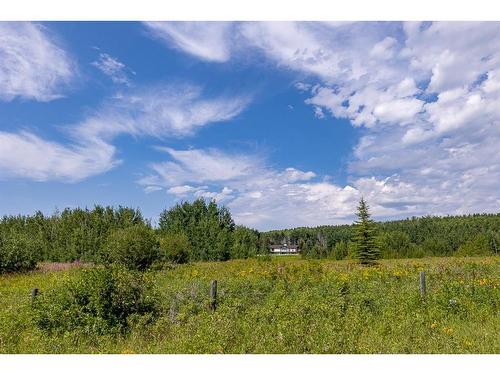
(285, 305)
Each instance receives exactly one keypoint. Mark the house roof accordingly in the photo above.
(283, 246)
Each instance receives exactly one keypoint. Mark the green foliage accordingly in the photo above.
(367, 251)
(278, 305)
(340, 250)
(100, 235)
(208, 227)
(135, 247)
(437, 246)
(17, 252)
(74, 234)
(81, 234)
(477, 246)
(428, 236)
(394, 244)
(175, 247)
(101, 300)
(245, 242)
(352, 250)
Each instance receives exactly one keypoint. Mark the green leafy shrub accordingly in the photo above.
(415, 251)
(135, 247)
(17, 253)
(437, 247)
(245, 242)
(477, 246)
(175, 247)
(100, 301)
(208, 226)
(264, 258)
(315, 252)
(352, 250)
(394, 244)
(340, 250)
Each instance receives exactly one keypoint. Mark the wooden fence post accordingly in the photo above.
(213, 295)
(422, 284)
(34, 293)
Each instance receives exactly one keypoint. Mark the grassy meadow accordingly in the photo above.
(283, 305)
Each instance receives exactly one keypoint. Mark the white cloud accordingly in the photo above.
(152, 189)
(291, 44)
(492, 84)
(452, 54)
(266, 198)
(399, 111)
(162, 112)
(428, 97)
(113, 68)
(384, 50)
(294, 175)
(257, 195)
(433, 156)
(198, 166)
(32, 65)
(26, 155)
(318, 112)
(180, 190)
(221, 196)
(205, 40)
(426, 94)
(301, 86)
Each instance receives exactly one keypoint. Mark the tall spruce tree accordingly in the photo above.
(367, 251)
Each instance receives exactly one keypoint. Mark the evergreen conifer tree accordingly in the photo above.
(367, 251)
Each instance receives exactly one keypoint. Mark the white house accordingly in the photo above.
(284, 249)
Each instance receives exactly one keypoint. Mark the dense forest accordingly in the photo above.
(477, 234)
(202, 231)
(197, 231)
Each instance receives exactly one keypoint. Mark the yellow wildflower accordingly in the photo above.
(483, 281)
(448, 330)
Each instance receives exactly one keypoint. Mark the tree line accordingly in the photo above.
(203, 231)
(197, 231)
(476, 234)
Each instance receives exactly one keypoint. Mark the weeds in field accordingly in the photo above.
(284, 305)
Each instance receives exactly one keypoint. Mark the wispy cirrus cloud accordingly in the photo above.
(113, 68)
(202, 166)
(160, 111)
(26, 155)
(206, 40)
(32, 63)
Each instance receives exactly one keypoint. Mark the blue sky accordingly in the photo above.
(288, 124)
